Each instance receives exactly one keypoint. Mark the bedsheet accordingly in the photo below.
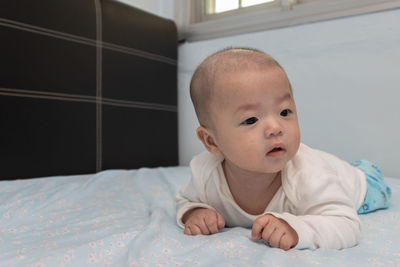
(127, 218)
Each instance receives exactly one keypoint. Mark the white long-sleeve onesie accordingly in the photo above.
(319, 197)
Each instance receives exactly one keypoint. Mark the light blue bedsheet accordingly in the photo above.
(127, 218)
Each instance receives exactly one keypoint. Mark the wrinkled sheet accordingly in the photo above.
(127, 218)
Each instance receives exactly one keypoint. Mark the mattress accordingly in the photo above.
(127, 218)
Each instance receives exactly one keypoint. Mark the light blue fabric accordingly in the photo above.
(127, 218)
(378, 193)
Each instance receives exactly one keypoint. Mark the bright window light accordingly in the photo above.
(246, 3)
(219, 6)
(225, 5)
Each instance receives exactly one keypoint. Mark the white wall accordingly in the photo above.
(346, 80)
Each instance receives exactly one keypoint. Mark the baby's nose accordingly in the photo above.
(273, 128)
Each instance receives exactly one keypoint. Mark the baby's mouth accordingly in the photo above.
(276, 151)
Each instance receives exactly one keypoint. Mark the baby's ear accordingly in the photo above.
(208, 140)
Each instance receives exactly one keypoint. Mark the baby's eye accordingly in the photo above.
(285, 112)
(250, 121)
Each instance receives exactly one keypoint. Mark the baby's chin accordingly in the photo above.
(268, 165)
(270, 168)
(276, 165)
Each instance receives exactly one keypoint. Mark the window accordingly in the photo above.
(206, 19)
(218, 6)
(206, 10)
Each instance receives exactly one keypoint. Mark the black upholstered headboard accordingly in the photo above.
(85, 85)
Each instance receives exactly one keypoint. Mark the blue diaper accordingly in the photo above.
(378, 193)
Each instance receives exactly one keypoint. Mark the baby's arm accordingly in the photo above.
(324, 215)
(275, 232)
(202, 221)
(195, 214)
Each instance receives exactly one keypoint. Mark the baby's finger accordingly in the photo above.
(274, 239)
(267, 232)
(203, 227)
(287, 242)
(220, 221)
(195, 229)
(258, 227)
(187, 230)
(211, 223)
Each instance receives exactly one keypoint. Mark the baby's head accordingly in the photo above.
(245, 106)
(214, 67)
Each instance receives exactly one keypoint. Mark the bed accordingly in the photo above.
(88, 160)
(127, 218)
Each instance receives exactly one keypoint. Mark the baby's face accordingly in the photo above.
(254, 120)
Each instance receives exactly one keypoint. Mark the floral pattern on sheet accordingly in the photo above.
(127, 218)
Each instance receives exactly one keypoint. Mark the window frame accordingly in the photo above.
(200, 16)
(195, 27)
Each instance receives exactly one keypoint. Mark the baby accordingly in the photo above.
(256, 173)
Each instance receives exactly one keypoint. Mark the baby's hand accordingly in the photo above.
(202, 221)
(276, 232)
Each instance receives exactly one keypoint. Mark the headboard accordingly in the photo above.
(85, 85)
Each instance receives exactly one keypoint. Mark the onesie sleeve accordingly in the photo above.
(191, 196)
(194, 195)
(324, 216)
